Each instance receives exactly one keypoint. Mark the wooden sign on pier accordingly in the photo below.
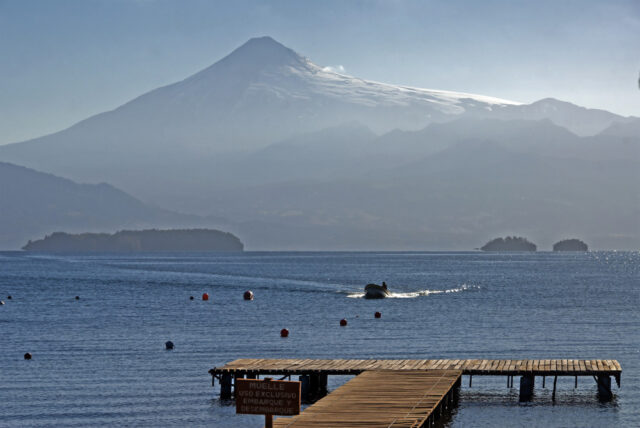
(267, 397)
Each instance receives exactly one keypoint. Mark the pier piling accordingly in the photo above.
(604, 387)
(225, 386)
(304, 387)
(527, 383)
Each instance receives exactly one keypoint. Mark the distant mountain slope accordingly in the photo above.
(579, 120)
(627, 129)
(33, 204)
(453, 199)
(302, 157)
(260, 93)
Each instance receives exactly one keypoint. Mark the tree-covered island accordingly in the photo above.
(570, 245)
(127, 241)
(510, 243)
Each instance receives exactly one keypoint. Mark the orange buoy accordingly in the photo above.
(27, 356)
(378, 315)
(343, 322)
(205, 296)
(248, 295)
(284, 333)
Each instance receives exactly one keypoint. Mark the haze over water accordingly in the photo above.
(101, 360)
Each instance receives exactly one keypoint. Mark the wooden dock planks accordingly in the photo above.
(468, 367)
(381, 398)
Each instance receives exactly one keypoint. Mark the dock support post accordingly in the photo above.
(235, 382)
(527, 382)
(576, 384)
(544, 378)
(553, 395)
(456, 391)
(304, 387)
(225, 386)
(604, 387)
(470, 379)
(314, 385)
(322, 384)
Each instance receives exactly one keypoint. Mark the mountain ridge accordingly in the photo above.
(263, 136)
(36, 203)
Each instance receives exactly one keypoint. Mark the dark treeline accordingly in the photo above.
(570, 245)
(510, 243)
(185, 240)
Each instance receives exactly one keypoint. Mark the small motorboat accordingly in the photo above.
(375, 291)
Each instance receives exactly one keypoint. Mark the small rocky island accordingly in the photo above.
(127, 241)
(510, 243)
(570, 245)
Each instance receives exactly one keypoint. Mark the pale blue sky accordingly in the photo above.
(62, 61)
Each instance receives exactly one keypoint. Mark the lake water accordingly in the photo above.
(100, 360)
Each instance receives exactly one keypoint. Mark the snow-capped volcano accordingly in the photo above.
(260, 93)
(296, 152)
(285, 73)
(263, 92)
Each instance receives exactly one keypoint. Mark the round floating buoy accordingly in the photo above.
(378, 315)
(190, 297)
(77, 297)
(248, 295)
(27, 356)
(1, 302)
(343, 322)
(284, 333)
(9, 297)
(205, 296)
(168, 345)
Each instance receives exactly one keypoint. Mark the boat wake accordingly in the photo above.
(421, 293)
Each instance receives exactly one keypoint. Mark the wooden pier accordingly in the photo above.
(384, 398)
(313, 372)
(378, 383)
(468, 367)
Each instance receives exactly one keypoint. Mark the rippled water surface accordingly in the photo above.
(100, 360)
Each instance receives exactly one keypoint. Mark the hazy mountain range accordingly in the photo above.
(296, 156)
(34, 204)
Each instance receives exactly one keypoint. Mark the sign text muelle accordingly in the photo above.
(267, 397)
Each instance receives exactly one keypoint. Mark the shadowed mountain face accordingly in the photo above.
(455, 199)
(304, 158)
(34, 204)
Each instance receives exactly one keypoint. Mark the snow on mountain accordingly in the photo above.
(267, 67)
(260, 93)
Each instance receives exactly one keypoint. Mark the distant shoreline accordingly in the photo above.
(143, 241)
(244, 251)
